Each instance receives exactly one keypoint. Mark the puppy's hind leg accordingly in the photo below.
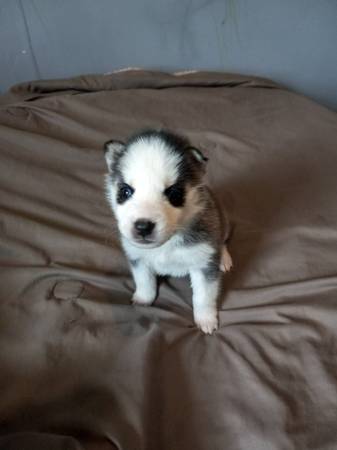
(226, 262)
(146, 284)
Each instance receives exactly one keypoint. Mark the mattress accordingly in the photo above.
(80, 367)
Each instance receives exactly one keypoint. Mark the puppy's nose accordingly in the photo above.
(144, 227)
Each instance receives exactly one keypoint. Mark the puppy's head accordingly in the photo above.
(153, 185)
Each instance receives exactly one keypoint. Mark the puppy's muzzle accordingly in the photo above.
(143, 228)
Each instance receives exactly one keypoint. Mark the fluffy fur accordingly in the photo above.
(168, 219)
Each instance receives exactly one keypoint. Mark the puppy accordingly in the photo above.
(168, 220)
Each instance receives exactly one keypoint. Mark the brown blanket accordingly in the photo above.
(80, 368)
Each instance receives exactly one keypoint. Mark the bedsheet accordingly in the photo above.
(80, 368)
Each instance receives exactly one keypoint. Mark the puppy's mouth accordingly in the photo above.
(145, 242)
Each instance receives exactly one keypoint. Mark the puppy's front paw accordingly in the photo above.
(207, 321)
(141, 300)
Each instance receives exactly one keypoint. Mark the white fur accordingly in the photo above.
(146, 284)
(149, 165)
(171, 258)
(205, 294)
(174, 259)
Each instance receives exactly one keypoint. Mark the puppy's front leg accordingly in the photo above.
(205, 294)
(146, 283)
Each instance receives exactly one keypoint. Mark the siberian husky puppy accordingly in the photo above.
(168, 220)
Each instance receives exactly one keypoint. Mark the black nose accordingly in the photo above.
(144, 227)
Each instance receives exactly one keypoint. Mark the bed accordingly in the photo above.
(80, 368)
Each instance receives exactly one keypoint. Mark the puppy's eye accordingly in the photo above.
(175, 194)
(124, 193)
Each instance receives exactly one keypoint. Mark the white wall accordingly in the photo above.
(291, 41)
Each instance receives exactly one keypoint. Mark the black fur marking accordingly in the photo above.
(175, 195)
(196, 233)
(212, 270)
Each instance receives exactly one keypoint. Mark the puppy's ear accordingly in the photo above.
(198, 155)
(112, 151)
(199, 159)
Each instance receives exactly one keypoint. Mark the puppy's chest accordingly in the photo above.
(176, 260)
